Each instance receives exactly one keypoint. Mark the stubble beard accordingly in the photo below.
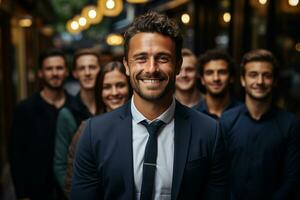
(170, 88)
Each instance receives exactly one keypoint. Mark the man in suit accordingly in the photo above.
(114, 158)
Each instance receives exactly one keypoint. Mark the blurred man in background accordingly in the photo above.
(263, 141)
(217, 75)
(33, 131)
(187, 91)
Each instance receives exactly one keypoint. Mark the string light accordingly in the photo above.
(293, 2)
(185, 18)
(226, 17)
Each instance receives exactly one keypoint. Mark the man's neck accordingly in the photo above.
(56, 98)
(257, 108)
(152, 109)
(88, 99)
(188, 97)
(217, 105)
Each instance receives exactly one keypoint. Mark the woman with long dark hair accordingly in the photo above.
(112, 91)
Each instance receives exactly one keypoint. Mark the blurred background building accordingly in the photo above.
(27, 27)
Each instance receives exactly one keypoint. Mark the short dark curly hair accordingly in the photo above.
(215, 54)
(51, 53)
(153, 22)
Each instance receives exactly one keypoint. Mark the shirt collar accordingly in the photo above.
(166, 116)
(267, 115)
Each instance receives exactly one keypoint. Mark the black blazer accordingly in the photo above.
(103, 167)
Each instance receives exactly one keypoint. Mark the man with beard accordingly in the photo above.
(186, 91)
(86, 68)
(153, 147)
(263, 140)
(217, 74)
(33, 131)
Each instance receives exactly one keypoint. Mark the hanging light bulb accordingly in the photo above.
(293, 2)
(72, 27)
(111, 8)
(92, 14)
(185, 18)
(110, 4)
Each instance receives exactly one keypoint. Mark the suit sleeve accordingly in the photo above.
(86, 182)
(291, 174)
(217, 188)
(65, 129)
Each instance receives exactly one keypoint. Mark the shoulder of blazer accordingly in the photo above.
(193, 115)
(113, 116)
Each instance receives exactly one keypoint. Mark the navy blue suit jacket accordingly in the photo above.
(103, 167)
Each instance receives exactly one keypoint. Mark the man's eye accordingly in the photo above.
(140, 59)
(223, 72)
(106, 87)
(252, 75)
(208, 72)
(268, 75)
(163, 59)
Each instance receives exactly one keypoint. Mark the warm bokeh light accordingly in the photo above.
(297, 47)
(293, 2)
(111, 8)
(226, 17)
(82, 21)
(262, 2)
(137, 1)
(114, 39)
(72, 27)
(26, 22)
(110, 4)
(93, 14)
(185, 18)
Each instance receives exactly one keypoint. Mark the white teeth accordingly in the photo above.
(151, 81)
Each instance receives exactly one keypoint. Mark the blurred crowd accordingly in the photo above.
(47, 126)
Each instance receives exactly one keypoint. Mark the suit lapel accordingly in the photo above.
(125, 149)
(181, 145)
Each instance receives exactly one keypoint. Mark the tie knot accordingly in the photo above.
(153, 127)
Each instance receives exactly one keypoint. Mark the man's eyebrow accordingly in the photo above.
(140, 54)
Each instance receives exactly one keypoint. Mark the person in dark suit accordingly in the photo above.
(152, 147)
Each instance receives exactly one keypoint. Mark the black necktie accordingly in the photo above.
(150, 159)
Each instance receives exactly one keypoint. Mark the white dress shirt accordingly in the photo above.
(165, 152)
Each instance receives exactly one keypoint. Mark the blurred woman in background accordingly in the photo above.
(112, 91)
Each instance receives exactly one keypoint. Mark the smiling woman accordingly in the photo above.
(112, 88)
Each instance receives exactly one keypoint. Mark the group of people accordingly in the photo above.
(141, 129)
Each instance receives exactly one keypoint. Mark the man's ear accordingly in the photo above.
(202, 80)
(40, 73)
(125, 62)
(74, 73)
(242, 79)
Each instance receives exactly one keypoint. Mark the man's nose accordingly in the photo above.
(87, 70)
(260, 79)
(216, 76)
(114, 90)
(151, 66)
